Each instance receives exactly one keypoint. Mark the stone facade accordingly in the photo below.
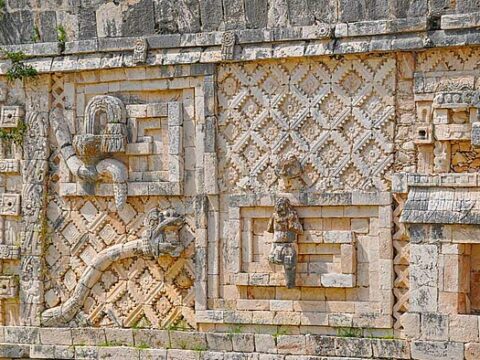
(241, 180)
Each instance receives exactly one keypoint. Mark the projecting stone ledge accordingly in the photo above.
(442, 206)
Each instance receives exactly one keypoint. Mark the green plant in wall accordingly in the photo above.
(14, 135)
(19, 70)
(349, 332)
(36, 34)
(61, 36)
(3, 8)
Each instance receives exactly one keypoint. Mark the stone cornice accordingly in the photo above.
(340, 39)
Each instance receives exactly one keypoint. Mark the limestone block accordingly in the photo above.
(9, 166)
(390, 349)
(153, 354)
(243, 342)
(64, 352)
(338, 237)
(472, 351)
(222, 342)
(42, 351)
(348, 259)
(320, 345)
(55, 336)
(436, 350)
(340, 320)
(463, 328)
(109, 20)
(117, 352)
(10, 204)
(122, 337)
(9, 252)
(21, 335)
(187, 340)
(86, 352)
(434, 326)
(476, 134)
(359, 226)
(265, 343)
(291, 344)
(88, 336)
(353, 347)
(411, 325)
(10, 351)
(338, 280)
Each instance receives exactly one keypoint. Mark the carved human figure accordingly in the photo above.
(159, 226)
(285, 226)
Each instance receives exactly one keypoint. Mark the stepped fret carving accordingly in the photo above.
(336, 116)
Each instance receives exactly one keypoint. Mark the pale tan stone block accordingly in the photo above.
(348, 259)
(265, 343)
(286, 318)
(448, 302)
(472, 351)
(359, 226)
(340, 320)
(314, 318)
(55, 336)
(291, 344)
(281, 305)
(338, 280)
(463, 328)
(243, 342)
(340, 306)
(262, 317)
(411, 324)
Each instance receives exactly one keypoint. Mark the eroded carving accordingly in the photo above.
(140, 50)
(161, 235)
(10, 204)
(104, 133)
(289, 171)
(228, 45)
(11, 116)
(8, 287)
(285, 226)
(35, 167)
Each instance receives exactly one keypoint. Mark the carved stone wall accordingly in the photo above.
(294, 200)
(336, 116)
(135, 292)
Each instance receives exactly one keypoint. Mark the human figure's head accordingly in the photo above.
(282, 206)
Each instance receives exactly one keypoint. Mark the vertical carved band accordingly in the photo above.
(35, 168)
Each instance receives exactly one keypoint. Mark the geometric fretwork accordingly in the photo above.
(337, 116)
(401, 258)
(135, 292)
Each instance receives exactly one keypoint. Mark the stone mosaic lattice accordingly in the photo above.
(132, 292)
(337, 116)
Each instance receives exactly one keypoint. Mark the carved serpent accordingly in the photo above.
(65, 312)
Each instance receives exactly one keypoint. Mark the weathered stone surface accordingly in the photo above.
(211, 14)
(256, 13)
(437, 350)
(139, 19)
